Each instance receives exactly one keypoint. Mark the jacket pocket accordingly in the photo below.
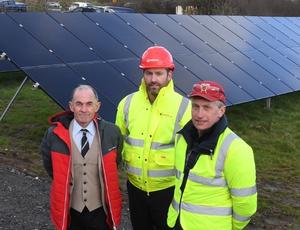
(164, 158)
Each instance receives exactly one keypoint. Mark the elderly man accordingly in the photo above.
(215, 170)
(79, 152)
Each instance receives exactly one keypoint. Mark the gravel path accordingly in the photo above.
(24, 202)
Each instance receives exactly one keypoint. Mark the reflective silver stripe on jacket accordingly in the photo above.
(126, 109)
(134, 141)
(140, 143)
(216, 181)
(178, 174)
(133, 170)
(223, 153)
(182, 108)
(161, 173)
(158, 146)
(243, 191)
(202, 209)
(240, 218)
(220, 182)
(151, 173)
(154, 145)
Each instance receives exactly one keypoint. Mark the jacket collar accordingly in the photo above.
(66, 117)
(205, 144)
(163, 91)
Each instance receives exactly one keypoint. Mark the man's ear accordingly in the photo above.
(71, 106)
(98, 106)
(222, 111)
(170, 75)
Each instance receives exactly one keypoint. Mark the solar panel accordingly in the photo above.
(64, 45)
(178, 32)
(104, 45)
(252, 57)
(7, 66)
(124, 32)
(21, 47)
(59, 83)
(108, 81)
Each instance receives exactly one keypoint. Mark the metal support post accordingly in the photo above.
(12, 100)
(268, 103)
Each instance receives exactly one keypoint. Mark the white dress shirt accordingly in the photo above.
(77, 134)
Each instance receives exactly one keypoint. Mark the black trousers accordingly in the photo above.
(149, 212)
(86, 220)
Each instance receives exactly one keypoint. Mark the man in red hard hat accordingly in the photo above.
(149, 120)
(215, 187)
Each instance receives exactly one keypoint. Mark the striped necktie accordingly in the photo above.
(84, 142)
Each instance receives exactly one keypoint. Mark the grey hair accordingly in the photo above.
(220, 104)
(81, 87)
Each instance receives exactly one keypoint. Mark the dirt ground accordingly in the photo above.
(24, 201)
(24, 198)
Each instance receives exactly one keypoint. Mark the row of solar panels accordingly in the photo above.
(252, 57)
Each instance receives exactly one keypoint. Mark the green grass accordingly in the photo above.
(273, 134)
(23, 126)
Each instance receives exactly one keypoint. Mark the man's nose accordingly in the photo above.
(154, 78)
(83, 108)
(200, 112)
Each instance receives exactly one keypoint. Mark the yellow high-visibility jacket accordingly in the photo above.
(149, 135)
(220, 191)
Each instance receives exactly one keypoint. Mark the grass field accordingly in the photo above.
(273, 133)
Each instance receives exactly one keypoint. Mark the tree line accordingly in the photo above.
(204, 7)
(222, 7)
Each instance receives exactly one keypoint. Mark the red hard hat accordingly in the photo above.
(157, 57)
(210, 90)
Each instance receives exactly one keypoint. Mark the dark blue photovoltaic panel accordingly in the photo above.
(193, 26)
(252, 57)
(236, 75)
(108, 81)
(244, 61)
(277, 70)
(104, 45)
(7, 66)
(248, 83)
(272, 45)
(184, 78)
(181, 34)
(260, 34)
(204, 71)
(122, 31)
(292, 67)
(290, 54)
(59, 83)
(222, 32)
(21, 47)
(277, 34)
(265, 78)
(288, 24)
(281, 27)
(251, 37)
(129, 68)
(154, 33)
(54, 37)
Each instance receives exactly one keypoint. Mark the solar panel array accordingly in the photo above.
(7, 66)
(252, 57)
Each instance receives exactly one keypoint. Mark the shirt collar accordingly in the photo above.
(90, 128)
